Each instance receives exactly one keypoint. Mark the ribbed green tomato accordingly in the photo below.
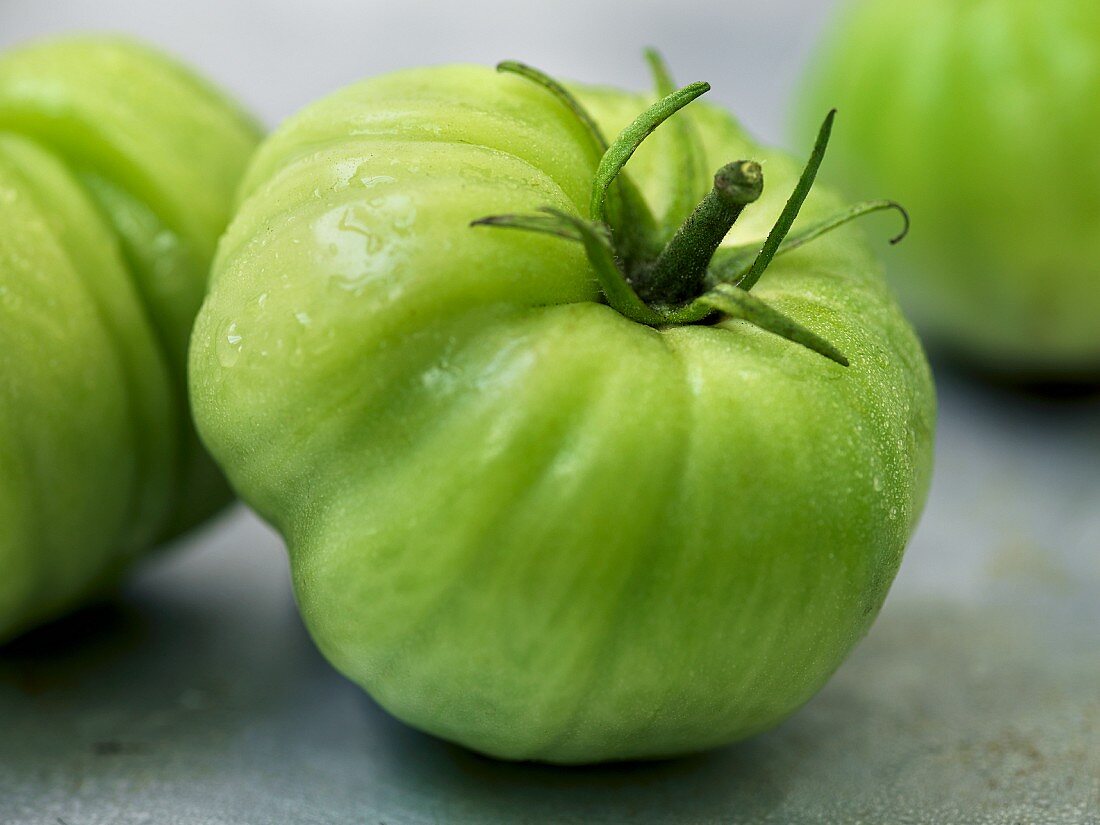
(117, 168)
(518, 518)
(982, 117)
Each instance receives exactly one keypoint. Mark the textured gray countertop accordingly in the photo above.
(197, 698)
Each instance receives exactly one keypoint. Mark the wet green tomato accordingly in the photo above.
(117, 168)
(520, 520)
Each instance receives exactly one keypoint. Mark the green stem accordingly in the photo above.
(621, 239)
(731, 264)
(841, 218)
(619, 152)
(618, 292)
(680, 270)
(658, 69)
(794, 204)
(737, 303)
(684, 158)
(562, 94)
(544, 224)
(631, 219)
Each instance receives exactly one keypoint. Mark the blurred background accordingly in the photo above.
(198, 698)
(279, 55)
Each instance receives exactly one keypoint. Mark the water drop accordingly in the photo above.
(370, 181)
(229, 345)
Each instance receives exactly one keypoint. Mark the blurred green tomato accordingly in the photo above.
(117, 168)
(983, 118)
(527, 509)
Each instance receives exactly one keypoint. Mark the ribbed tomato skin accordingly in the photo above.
(519, 520)
(117, 173)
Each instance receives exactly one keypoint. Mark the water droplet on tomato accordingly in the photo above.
(371, 181)
(228, 345)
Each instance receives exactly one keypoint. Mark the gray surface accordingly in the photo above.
(199, 699)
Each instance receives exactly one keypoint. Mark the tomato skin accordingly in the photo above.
(117, 168)
(981, 118)
(521, 521)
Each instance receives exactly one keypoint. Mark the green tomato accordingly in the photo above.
(982, 118)
(117, 168)
(520, 518)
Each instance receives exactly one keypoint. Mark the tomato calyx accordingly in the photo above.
(674, 271)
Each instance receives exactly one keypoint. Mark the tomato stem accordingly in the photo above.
(692, 277)
(630, 138)
(562, 94)
(601, 254)
(684, 158)
(738, 303)
(679, 273)
(731, 263)
(547, 224)
(630, 216)
(793, 206)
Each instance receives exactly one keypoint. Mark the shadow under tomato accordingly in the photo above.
(483, 789)
(927, 712)
(57, 654)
